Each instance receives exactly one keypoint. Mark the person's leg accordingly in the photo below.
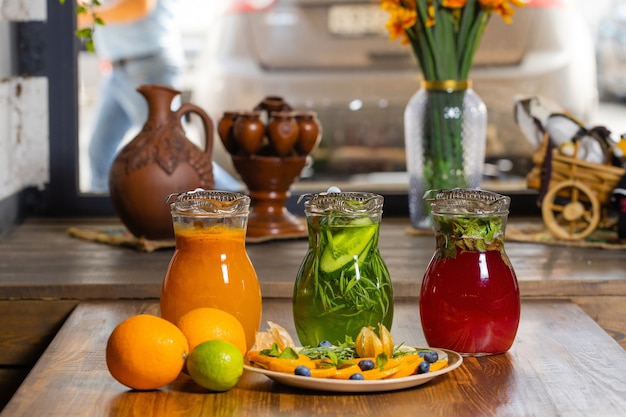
(110, 125)
(140, 72)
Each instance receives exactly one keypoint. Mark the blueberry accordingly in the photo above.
(423, 367)
(359, 377)
(366, 364)
(302, 371)
(431, 356)
(324, 343)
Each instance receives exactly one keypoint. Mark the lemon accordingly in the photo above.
(215, 365)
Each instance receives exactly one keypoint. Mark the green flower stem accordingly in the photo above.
(474, 35)
(426, 44)
(443, 150)
(446, 50)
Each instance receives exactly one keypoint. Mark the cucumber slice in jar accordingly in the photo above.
(353, 240)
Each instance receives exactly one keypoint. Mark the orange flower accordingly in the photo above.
(502, 7)
(400, 19)
(409, 4)
(444, 52)
(454, 4)
(430, 19)
(384, 4)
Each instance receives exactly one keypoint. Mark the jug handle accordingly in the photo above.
(207, 123)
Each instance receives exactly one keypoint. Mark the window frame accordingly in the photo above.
(63, 196)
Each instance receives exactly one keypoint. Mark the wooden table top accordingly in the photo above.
(561, 364)
(41, 261)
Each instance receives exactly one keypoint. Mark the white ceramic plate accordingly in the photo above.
(340, 385)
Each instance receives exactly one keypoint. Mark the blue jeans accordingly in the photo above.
(120, 107)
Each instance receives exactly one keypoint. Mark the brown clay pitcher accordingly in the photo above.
(158, 162)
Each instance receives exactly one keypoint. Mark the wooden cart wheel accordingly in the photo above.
(573, 217)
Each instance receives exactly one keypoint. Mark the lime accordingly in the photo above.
(215, 365)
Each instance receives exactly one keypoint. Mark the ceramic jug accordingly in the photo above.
(158, 162)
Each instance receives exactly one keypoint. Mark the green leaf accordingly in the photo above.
(469, 233)
(273, 352)
(381, 361)
(84, 33)
(288, 353)
(90, 46)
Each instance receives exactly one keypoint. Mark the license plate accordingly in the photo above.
(357, 20)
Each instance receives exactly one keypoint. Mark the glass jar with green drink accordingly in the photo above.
(343, 283)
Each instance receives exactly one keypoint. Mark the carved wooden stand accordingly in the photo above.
(268, 179)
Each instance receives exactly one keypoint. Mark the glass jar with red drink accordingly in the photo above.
(469, 299)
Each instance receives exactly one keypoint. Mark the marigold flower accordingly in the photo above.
(502, 7)
(384, 4)
(453, 4)
(430, 19)
(443, 55)
(400, 19)
(409, 4)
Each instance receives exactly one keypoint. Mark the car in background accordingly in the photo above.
(335, 58)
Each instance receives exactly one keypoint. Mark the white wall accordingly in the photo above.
(24, 149)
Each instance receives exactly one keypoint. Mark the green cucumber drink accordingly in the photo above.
(343, 283)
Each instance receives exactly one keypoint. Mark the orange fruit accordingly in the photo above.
(207, 323)
(145, 352)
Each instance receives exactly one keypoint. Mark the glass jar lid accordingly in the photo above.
(343, 203)
(467, 201)
(200, 202)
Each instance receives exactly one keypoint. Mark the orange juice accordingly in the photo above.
(210, 266)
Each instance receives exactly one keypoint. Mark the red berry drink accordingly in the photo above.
(469, 300)
(470, 304)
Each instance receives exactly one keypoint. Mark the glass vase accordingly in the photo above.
(469, 299)
(445, 131)
(343, 283)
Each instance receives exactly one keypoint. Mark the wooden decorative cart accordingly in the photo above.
(574, 193)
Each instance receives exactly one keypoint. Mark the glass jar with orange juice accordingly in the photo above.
(210, 266)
